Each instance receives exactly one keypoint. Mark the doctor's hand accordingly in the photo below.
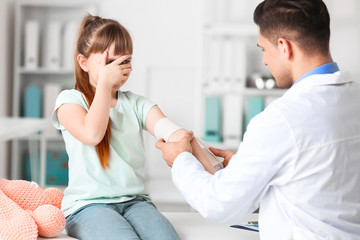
(227, 155)
(171, 150)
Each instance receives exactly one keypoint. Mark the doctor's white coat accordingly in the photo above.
(299, 162)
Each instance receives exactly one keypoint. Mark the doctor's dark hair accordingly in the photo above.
(306, 22)
(95, 35)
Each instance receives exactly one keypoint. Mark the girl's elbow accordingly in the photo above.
(95, 141)
(92, 139)
(91, 142)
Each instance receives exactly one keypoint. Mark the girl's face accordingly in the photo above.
(96, 61)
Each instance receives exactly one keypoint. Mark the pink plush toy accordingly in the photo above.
(27, 211)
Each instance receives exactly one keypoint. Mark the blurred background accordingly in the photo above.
(197, 60)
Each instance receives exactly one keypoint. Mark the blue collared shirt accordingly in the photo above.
(327, 68)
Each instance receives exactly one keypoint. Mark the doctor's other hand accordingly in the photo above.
(227, 155)
(171, 150)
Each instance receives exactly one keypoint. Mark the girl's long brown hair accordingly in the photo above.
(95, 35)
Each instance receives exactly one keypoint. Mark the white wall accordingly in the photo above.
(5, 75)
(164, 34)
(3, 42)
(345, 34)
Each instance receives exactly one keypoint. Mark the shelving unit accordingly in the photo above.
(229, 59)
(43, 45)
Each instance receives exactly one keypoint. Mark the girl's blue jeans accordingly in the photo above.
(135, 219)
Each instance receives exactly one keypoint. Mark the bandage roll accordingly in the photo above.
(215, 162)
(164, 128)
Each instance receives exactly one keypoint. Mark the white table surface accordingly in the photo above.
(192, 226)
(15, 127)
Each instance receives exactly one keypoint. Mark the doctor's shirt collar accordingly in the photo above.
(327, 68)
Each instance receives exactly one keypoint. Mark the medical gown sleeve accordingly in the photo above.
(264, 158)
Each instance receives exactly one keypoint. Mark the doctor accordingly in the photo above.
(299, 161)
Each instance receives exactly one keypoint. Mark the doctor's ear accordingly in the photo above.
(286, 47)
(82, 60)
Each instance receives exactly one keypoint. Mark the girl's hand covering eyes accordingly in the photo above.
(114, 73)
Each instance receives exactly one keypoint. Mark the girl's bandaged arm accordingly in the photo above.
(169, 131)
(161, 127)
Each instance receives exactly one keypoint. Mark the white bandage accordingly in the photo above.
(215, 162)
(164, 128)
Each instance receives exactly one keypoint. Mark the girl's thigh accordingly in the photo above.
(149, 223)
(99, 222)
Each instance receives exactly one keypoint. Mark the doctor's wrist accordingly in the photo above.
(181, 156)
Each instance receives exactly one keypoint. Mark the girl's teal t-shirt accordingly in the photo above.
(123, 181)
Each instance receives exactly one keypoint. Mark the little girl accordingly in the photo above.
(103, 128)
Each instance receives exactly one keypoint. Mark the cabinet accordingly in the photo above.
(235, 85)
(43, 65)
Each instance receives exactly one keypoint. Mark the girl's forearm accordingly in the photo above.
(197, 150)
(97, 118)
(200, 155)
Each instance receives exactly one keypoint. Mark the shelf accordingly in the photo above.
(45, 71)
(15, 128)
(54, 138)
(41, 75)
(230, 60)
(244, 91)
(264, 92)
(38, 137)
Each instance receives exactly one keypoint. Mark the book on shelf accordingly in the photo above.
(232, 114)
(240, 62)
(69, 38)
(254, 105)
(213, 119)
(52, 43)
(32, 44)
(227, 63)
(51, 91)
(32, 102)
(214, 63)
(57, 169)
